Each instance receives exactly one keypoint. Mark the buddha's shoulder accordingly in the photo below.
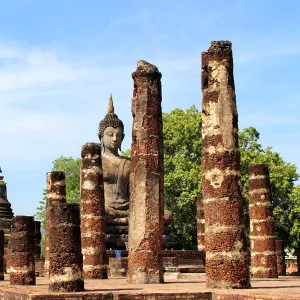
(125, 158)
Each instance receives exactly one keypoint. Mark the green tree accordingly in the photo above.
(294, 217)
(71, 168)
(182, 163)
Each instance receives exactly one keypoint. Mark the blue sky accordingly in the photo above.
(60, 60)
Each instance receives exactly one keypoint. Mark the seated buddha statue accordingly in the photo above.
(116, 170)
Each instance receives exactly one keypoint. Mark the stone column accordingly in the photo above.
(146, 178)
(65, 258)
(262, 232)
(200, 224)
(56, 193)
(21, 251)
(92, 210)
(1, 254)
(225, 237)
(281, 267)
(37, 239)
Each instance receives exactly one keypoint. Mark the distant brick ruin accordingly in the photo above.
(1, 254)
(262, 230)
(225, 237)
(146, 223)
(280, 255)
(92, 211)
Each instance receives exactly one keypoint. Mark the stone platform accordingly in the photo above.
(284, 288)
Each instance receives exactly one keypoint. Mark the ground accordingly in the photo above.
(283, 288)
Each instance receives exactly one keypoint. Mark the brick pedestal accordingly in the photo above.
(118, 266)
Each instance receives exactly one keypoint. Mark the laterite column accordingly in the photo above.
(21, 251)
(92, 211)
(262, 232)
(225, 237)
(65, 258)
(281, 267)
(200, 224)
(1, 254)
(146, 178)
(56, 193)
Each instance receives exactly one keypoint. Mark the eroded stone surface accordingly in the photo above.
(200, 224)
(65, 258)
(262, 233)
(92, 212)
(225, 238)
(56, 193)
(21, 251)
(146, 178)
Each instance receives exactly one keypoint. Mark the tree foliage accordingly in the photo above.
(294, 217)
(71, 168)
(182, 163)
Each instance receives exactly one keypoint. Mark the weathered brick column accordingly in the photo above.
(56, 193)
(92, 210)
(200, 224)
(225, 238)
(146, 178)
(65, 258)
(281, 267)
(1, 254)
(21, 251)
(262, 232)
(37, 239)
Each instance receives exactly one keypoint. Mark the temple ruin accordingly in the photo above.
(121, 229)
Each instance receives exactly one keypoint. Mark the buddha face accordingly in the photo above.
(112, 139)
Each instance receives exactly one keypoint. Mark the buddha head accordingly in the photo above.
(111, 130)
